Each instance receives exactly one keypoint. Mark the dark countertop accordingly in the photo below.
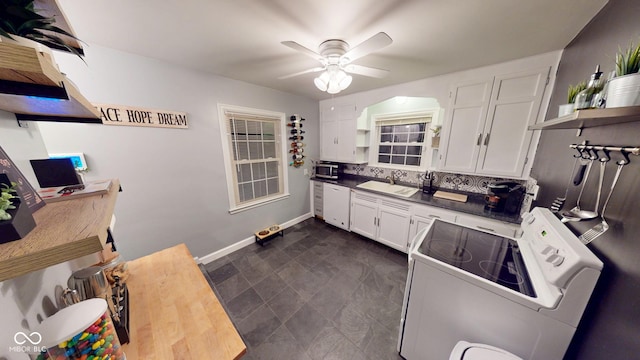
(473, 206)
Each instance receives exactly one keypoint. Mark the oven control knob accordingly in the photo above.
(555, 260)
(549, 250)
(529, 218)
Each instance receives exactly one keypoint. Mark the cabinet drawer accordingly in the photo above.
(317, 211)
(433, 213)
(491, 226)
(317, 187)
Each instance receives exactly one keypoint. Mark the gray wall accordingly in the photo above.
(610, 327)
(173, 180)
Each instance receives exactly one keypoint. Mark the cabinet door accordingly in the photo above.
(515, 102)
(364, 212)
(393, 224)
(347, 133)
(336, 201)
(329, 140)
(462, 132)
(417, 223)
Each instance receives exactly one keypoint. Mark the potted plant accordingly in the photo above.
(624, 89)
(16, 220)
(435, 139)
(572, 92)
(20, 21)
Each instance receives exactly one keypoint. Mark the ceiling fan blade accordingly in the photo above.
(316, 69)
(376, 42)
(295, 46)
(366, 71)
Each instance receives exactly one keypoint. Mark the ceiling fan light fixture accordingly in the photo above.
(333, 80)
(322, 81)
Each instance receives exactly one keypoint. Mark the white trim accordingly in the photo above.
(223, 111)
(246, 242)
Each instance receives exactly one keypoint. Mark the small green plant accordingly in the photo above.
(19, 18)
(574, 90)
(6, 195)
(436, 130)
(628, 61)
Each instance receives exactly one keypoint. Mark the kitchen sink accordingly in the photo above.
(387, 188)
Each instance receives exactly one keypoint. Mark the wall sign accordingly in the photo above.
(135, 116)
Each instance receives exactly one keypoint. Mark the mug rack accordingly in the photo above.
(628, 150)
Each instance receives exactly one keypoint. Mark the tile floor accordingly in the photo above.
(317, 293)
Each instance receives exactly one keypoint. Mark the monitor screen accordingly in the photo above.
(55, 172)
(78, 160)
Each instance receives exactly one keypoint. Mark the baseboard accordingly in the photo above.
(246, 242)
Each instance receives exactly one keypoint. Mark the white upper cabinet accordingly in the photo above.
(338, 124)
(486, 128)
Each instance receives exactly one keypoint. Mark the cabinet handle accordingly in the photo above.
(484, 228)
(486, 139)
(479, 139)
(434, 216)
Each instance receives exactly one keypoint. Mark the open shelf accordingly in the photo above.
(65, 230)
(583, 119)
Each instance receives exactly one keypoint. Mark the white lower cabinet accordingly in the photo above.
(422, 216)
(380, 219)
(335, 205)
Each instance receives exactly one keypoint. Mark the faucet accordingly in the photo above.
(391, 179)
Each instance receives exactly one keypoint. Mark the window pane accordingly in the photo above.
(414, 150)
(258, 171)
(268, 131)
(245, 191)
(255, 150)
(260, 188)
(386, 129)
(413, 128)
(273, 186)
(238, 129)
(397, 160)
(272, 169)
(254, 130)
(269, 150)
(416, 137)
(240, 150)
(386, 138)
(385, 149)
(403, 138)
(399, 150)
(411, 160)
(422, 127)
(244, 173)
(385, 159)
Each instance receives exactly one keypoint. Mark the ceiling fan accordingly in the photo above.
(336, 58)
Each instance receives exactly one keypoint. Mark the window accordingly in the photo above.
(253, 152)
(400, 140)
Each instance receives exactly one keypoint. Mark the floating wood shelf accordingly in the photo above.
(34, 89)
(64, 231)
(583, 119)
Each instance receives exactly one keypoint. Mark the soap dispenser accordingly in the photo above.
(584, 99)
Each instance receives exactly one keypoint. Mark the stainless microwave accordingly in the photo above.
(328, 171)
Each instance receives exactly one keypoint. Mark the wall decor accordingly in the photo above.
(297, 146)
(136, 116)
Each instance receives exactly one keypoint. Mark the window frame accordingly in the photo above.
(374, 145)
(225, 112)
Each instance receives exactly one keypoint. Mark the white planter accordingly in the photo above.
(565, 109)
(623, 91)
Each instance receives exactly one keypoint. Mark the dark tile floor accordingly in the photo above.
(317, 293)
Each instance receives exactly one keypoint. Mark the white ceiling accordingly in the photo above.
(240, 39)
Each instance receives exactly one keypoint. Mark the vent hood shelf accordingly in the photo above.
(32, 88)
(583, 119)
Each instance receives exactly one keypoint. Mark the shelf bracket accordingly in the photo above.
(22, 124)
(579, 132)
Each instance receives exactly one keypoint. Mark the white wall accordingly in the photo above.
(173, 180)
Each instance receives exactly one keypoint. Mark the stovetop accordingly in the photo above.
(492, 257)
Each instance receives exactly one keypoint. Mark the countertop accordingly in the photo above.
(174, 314)
(473, 206)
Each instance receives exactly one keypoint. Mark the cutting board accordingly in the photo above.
(450, 196)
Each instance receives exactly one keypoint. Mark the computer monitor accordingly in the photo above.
(55, 172)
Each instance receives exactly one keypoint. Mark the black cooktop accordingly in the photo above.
(483, 254)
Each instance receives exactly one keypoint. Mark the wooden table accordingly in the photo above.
(174, 314)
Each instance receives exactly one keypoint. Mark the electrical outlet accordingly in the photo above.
(306, 171)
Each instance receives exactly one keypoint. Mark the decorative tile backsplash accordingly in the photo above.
(459, 182)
